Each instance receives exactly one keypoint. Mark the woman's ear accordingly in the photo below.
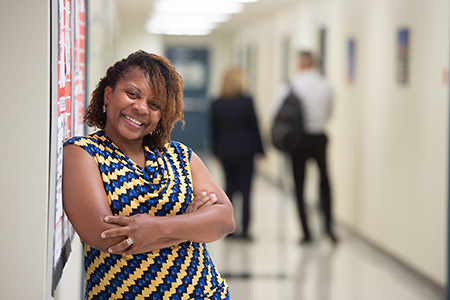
(107, 94)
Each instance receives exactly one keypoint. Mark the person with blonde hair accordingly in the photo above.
(236, 140)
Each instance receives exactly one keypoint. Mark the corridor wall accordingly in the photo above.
(389, 142)
(24, 135)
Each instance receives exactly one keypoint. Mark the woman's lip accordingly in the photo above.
(133, 121)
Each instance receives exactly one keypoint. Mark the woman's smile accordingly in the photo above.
(133, 121)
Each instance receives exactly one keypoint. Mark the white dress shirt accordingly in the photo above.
(316, 96)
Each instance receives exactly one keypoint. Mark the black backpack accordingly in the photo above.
(287, 128)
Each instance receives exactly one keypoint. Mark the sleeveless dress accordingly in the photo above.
(163, 188)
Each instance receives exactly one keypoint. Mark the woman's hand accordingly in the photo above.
(140, 232)
(201, 200)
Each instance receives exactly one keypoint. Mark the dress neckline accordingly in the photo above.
(154, 163)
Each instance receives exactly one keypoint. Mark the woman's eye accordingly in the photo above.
(132, 95)
(154, 105)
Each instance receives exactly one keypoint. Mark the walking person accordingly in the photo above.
(236, 140)
(315, 95)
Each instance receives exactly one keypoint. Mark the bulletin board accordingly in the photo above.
(68, 98)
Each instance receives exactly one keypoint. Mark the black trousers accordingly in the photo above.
(313, 148)
(238, 176)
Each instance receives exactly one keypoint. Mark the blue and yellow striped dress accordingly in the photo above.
(163, 188)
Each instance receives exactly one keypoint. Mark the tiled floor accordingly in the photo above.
(275, 267)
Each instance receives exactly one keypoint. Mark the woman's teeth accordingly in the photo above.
(133, 120)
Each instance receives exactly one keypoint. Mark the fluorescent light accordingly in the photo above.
(198, 6)
(191, 17)
(171, 28)
(194, 17)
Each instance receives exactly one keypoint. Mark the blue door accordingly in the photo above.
(193, 65)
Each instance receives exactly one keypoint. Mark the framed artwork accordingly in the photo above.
(403, 37)
(322, 49)
(351, 44)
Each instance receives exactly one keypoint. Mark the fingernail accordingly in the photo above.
(106, 219)
(110, 250)
(103, 235)
(203, 194)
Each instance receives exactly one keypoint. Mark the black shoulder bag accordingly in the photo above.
(287, 128)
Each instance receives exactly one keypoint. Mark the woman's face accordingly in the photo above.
(132, 111)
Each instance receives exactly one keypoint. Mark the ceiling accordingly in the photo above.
(134, 13)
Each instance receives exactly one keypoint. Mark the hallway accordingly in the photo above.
(273, 266)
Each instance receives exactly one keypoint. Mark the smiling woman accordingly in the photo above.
(143, 205)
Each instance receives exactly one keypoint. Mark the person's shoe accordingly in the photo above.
(245, 236)
(306, 241)
(232, 236)
(332, 237)
(240, 236)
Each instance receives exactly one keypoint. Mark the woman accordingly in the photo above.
(136, 199)
(236, 139)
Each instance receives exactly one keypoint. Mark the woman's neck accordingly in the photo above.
(134, 149)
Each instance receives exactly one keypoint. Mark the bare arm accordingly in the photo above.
(211, 220)
(84, 198)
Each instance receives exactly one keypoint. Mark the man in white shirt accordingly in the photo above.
(315, 96)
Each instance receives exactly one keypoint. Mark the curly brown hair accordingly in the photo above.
(163, 79)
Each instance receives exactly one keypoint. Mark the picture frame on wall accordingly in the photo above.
(351, 48)
(403, 39)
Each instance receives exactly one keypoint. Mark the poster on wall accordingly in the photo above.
(351, 60)
(62, 228)
(402, 56)
(79, 66)
(69, 114)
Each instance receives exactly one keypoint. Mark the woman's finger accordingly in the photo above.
(202, 200)
(114, 232)
(121, 246)
(196, 203)
(120, 220)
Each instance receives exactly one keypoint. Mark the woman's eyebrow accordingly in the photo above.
(134, 86)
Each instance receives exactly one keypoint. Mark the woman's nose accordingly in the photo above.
(141, 105)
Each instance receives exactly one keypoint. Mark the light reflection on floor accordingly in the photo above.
(275, 267)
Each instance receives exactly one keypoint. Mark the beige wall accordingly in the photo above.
(389, 143)
(24, 135)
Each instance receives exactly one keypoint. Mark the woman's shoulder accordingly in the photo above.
(179, 149)
(92, 143)
(95, 137)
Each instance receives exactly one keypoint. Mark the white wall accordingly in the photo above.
(24, 135)
(388, 144)
(399, 133)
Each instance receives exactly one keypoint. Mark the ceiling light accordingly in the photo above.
(198, 6)
(194, 17)
(191, 17)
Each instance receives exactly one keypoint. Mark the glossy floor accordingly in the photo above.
(274, 266)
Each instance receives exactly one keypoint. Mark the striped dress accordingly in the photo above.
(162, 188)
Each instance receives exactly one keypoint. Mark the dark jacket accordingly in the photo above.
(235, 131)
